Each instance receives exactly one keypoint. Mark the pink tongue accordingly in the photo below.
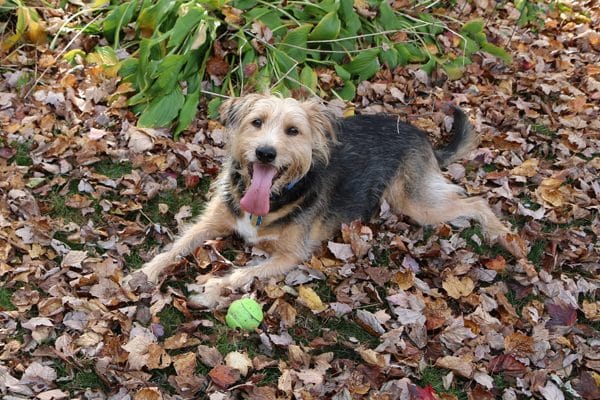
(256, 199)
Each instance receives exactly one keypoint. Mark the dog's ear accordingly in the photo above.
(322, 122)
(232, 110)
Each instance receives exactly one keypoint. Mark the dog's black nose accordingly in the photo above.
(266, 154)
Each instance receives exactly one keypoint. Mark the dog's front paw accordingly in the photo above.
(207, 294)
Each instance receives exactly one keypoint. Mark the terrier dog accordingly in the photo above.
(295, 173)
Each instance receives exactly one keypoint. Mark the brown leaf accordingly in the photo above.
(457, 288)
(185, 364)
(518, 343)
(239, 361)
(561, 315)
(309, 298)
(460, 365)
(217, 66)
(506, 363)
(209, 356)
(224, 376)
(149, 393)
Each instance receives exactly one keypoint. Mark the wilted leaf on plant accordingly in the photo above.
(457, 288)
(309, 298)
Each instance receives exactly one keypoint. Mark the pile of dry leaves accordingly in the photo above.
(387, 310)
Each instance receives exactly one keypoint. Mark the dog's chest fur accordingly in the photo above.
(247, 229)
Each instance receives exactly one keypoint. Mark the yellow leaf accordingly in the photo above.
(310, 299)
(528, 168)
(549, 191)
(457, 288)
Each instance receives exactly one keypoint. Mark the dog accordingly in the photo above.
(295, 173)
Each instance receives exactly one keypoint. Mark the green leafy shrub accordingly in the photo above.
(184, 48)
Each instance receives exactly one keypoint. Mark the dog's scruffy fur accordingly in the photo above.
(324, 171)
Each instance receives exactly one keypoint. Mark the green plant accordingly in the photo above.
(185, 48)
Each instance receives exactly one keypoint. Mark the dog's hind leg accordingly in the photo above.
(216, 220)
(433, 199)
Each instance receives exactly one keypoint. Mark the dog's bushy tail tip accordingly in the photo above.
(464, 140)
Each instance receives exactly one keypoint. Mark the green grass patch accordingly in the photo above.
(382, 256)
(228, 340)
(519, 304)
(112, 169)
(483, 248)
(170, 319)
(310, 326)
(536, 254)
(5, 300)
(58, 208)
(160, 377)
(175, 199)
(543, 130)
(21, 157)
(84, 379)
(433, 376)
(489, 167)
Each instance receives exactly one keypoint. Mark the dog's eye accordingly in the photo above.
(257, 123)
(292, 131)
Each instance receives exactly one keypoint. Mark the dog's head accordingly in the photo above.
(275, 141)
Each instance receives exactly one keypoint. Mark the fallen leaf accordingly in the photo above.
(224, 376)
(457, 288)
(309, 298)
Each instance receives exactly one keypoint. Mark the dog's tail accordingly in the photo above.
(464, 140)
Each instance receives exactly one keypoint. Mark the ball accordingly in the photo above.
(244, 314)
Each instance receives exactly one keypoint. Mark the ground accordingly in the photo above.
(387, 309)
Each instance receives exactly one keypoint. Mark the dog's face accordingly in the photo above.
(275, 141)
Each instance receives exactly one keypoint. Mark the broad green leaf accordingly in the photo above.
(294, 42)
(168, 71)
(188, 112)
(244, 5)
(479, 37)
(430, 66)
(117, 19)
(390, 58)
(404, 55)
(213, 107)
(342, 73)
(71, 56)
(151, 17)
(328, 28)
(361, 61)
(308, 77)
(348, 92)
(469, 46)
(473, 27)
(349, 16)
(104, 55)
(162, 110)
(497, 52)
(387, 17)
(455, 68)
(184, 26)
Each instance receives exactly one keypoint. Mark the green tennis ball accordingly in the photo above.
(245, 314)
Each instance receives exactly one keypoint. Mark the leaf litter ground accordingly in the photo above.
(387, 310)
